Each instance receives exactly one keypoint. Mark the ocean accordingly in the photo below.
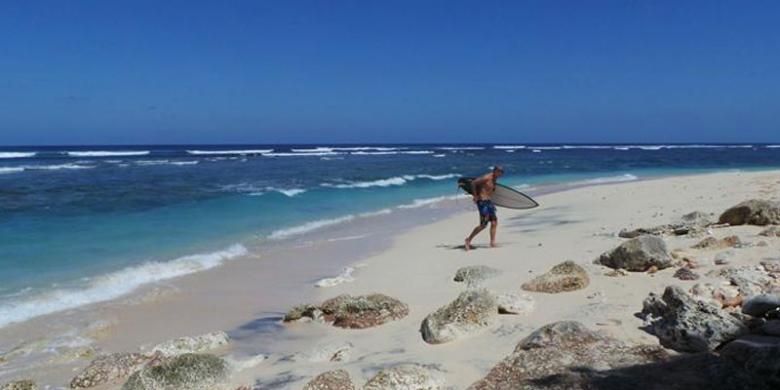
(80, 225)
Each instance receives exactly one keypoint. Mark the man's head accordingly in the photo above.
(498, 170)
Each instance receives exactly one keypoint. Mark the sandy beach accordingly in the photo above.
(248, 298)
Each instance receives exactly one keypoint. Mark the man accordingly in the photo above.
(482, 189)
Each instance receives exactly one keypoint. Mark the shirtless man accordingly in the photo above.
(483, 188)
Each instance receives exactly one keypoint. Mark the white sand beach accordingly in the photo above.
(417, 268)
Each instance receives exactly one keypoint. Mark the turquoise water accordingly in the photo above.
(81, 225)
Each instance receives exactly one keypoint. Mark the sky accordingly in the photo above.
(366, 71)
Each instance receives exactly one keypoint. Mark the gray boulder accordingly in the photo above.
(20, 385)
(331, 380)
(714, 243)
(109, 369)
(696, 218)
(638, 255)
(406, 377)
(565, 355)
(685, 324)
(475, 274)
(567, 276)
(471, 312)
(752, 212)
(346, 311)
(749, 280)
(195, 344)
(184, 372)
(685, 274)
(761, 305)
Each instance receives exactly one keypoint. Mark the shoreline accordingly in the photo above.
(126, 331)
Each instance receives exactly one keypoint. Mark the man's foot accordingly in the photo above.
(467, 245)
(493, 244)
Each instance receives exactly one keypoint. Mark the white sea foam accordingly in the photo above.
(228, 152)
(56, 167)
(112, 285)
(6, 170)
(344, 277)
(454, 148)
(610, 179)
(106, 153)
(307, 154)
(393, 181)
(536, 151)
(287, 191)
(417, 203)
(17, 154)
(377, 153)
(439, 155)
(308, 227)
(376, 213)
(773, 146)
(166, 162)
(510, 147)
(418, 152)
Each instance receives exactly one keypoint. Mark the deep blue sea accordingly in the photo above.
(85, 224)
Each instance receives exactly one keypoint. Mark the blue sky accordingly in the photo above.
(124, 72)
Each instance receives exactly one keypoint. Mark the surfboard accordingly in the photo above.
(504, 196)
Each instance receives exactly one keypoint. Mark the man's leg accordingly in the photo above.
(473, 234)
(493, 228)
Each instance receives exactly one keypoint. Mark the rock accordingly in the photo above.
(406, 377)
(331, 380)
(686, 274)
(759, 356)
(471, 312)
(109, 369)
(511, 303)
(696, 218)
(346, 311)
(184, 372)
(771, 328)
(748, 279)
(773, 231)
(752, 212)
(334, 352)
(657, 231)
(714, 243)
(564, 355)
(685, 324)
(475, 274)
(196, 344)
(771, 265)
(761, 305)
(566, 276)
(616, 273)
(724, 258)
(20, 385)
(638, 255)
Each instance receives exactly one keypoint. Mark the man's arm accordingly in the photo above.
(477, 184)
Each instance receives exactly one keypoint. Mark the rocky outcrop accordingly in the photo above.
(752, 212)
(692, 224)
(197, 344)
(346, 311)
(184, 372)
(685, 274)
(20, 385)
(638, 255)
(697, 218)
(331, 380)
(471, 312)
(475, 274)
(763, 305)
(406, 377)
(512, 303)
(566, 276)
(714, 243)
(564, 355)
(109, 369)
(685, 324)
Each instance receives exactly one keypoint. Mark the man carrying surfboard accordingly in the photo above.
(482, 189)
